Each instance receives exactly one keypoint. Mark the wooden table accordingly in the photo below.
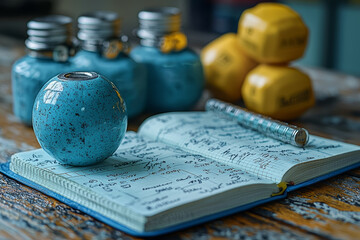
(330, 209)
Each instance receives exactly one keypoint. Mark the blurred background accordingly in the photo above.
(334, 24)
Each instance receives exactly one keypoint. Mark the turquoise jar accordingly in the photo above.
(175, 74)
(79, 118)
(49, 46)
(104, 51)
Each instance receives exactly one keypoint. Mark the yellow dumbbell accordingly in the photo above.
(225, 67)
(272, 33)
(280, 92)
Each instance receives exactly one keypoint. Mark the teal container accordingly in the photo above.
(175, 75)
(175, 80)
(79, 118)
(104, 51)
(49, 46)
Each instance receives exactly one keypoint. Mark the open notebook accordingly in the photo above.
(182, 169)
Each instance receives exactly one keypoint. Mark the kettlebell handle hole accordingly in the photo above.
(78, 76)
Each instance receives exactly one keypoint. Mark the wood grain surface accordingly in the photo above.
(326, 210)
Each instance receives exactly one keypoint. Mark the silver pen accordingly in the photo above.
(272, 128)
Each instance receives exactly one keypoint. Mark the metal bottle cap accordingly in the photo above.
(46, 33)
(96, 27)
(157, 22)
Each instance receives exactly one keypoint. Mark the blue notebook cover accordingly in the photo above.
(4, 168)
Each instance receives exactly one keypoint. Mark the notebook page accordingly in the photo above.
(149, 177)
(224, 140)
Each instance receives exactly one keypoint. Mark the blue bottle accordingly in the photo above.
(104, 51)
(79, 118)
(175, 75)
(49, 46)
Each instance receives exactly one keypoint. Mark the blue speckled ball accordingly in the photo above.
(79, 118)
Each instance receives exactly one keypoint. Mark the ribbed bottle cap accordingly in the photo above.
(154, 23)
(45, 33)
(99, 25)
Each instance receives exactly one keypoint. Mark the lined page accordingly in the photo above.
(146, 176)
(226, 141)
